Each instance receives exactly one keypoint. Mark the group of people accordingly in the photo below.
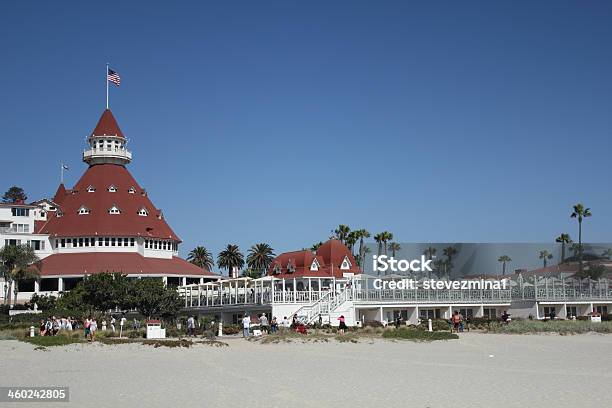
(268, 326)
(53, 325)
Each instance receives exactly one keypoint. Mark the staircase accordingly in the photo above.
(326, 304)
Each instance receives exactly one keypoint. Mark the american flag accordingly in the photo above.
(113, 77)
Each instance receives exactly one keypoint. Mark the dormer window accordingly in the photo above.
(277, 269)
(290, 267)
(114, 210)
(112, 189)
(131, 190)
(143, 212)
(91, 189)
(59, 214)
(314, 266)
(83, 210)
(346, 264)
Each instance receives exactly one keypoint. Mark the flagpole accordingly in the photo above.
(106, 78)
(62, 173)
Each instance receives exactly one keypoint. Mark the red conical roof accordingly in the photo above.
(127, 196)
(107, 125)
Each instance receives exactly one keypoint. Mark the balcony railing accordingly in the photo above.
(124, 154)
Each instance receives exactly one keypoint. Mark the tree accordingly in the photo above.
(593, 271)
(14, 195)
(504, 259)
(362, 234)
(106, 291)
(316, 246)
(545, 256)
(394, 247)
(342, 232)
(386, 237)
(580, 213)
(18, 263)
(152, 299)
(449, 252)
(379, 240)
(563, 239)
(41, 302)
(430, 252)
(351, 240)
(259, 257)
(200, 256)
(230, 258)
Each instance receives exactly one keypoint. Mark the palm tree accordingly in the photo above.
(394, 247)
(580, 212)
(430, 252)
(342, 232)
(379, 240)
(230, 258)
(17, 263)
(504, 259)
(260, 257)
(316, 246)
(361, 234)
(386, 237)
(351, 240)
(201, 257)
(545, 256)
(563, 239)
(449, 253)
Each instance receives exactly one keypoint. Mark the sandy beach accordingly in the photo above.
(477, 370)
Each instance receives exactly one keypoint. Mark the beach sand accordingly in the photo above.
(478, 370)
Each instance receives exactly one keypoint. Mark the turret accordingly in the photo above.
(107, 143)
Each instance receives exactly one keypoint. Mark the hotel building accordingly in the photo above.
(105, 223)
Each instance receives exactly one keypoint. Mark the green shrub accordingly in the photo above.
(405, 333)
(50, 341)
(556, 326)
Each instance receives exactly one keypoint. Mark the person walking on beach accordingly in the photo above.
(274, 325)
(190, 326)
(342, 325)
(263, 323)
(112, 323)
(456, 321)
(86, 324)
(246, 324)
(93, 326)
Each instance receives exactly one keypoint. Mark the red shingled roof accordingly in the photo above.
(99, 221)
(107, 125)
(129, 263)
(330, 256)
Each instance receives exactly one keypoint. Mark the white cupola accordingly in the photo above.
(107, 143)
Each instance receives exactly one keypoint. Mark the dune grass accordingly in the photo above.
(557, 326)
(405, 333)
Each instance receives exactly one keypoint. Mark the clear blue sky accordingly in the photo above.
(275, 122)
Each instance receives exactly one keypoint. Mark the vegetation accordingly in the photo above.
(545, 256)
(592, 271)
(504, 259)
(580, 213)
(394, 247)
(563, 239)
(152, 299)
(230, 258)
(557, 326)
(200, 256)
(342, 232)
(14, 195)
(406, 333)
(17, 264)
(259, 257)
